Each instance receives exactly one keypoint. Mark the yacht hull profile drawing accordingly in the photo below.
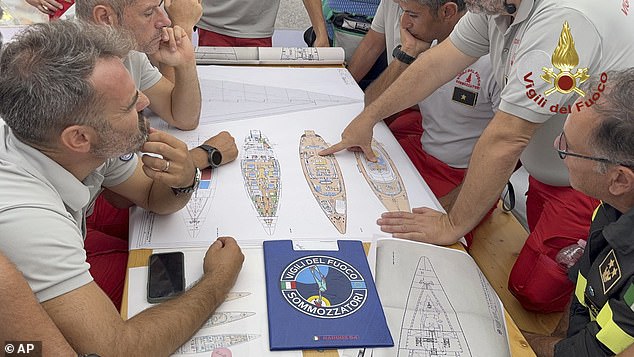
(261, 174)
(229, 101)
(209, 343)
(430, 325)
(324, 178)
(197, 209)
(384, 179)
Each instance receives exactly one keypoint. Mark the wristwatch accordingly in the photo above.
(214, 156)
(402, 56)
(181, 190)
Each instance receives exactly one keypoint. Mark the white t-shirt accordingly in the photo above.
(240, 18)
(603, 35)
(455, 115)
(42, 214)
(387, 21)
(144, 74)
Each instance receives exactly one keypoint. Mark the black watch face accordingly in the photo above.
(216, 158)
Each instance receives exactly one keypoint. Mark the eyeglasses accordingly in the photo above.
(562, 150)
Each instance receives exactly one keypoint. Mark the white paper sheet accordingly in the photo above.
(441, 305)
(228, 210)
(249, 311)
(236, 93)
(270, 55)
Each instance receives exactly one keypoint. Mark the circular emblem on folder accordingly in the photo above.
(323, 287)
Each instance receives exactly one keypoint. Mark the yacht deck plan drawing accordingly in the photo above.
(261, 174)
(324, 178)
(441, 305)
(251, 211)
(430, 325)
(199, 204)
(384, 179)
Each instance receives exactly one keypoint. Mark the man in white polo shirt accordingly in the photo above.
(454, 115)
(72, 123)
(542, 52)
(177, 101)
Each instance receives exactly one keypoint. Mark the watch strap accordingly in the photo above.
(190, 189)
(211, 151)
(402, 56)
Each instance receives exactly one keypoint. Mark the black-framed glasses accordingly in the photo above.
(562, 150)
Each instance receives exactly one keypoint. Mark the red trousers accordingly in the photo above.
(106, 247)
(440, 177)
(210, 38)
(557, 217)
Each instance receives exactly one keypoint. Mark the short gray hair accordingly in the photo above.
(613, 138)
(434, 5)
(45, 74)
(83, 8)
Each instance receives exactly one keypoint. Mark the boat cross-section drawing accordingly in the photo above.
(197, 209)
(324, 178)
(261, 174)
(384, 179)
(430, 326)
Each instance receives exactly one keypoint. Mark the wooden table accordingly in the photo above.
(519, 346)
(495, 248)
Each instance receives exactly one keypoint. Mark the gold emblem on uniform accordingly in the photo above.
(565, 59)
(610, 271)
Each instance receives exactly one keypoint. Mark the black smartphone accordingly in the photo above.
(166, 276)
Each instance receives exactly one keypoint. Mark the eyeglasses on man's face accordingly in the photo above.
(562, 150)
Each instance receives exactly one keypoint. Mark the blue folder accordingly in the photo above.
(320, 299)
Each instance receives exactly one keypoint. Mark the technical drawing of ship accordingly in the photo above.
(221, 318)
(196, 210)
(225, 100)
(324, 178)
(384, 179)
(236, 295)
(261, 174)
(209, 343)
(430, 325)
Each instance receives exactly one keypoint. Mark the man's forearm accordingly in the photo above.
(492, 163)
(173, 321)
(163, 200)
(23, 319)
(186, 97)
(391, 73)
(430, 71)
(316, 15)
(366, 54)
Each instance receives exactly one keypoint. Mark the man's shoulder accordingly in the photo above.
(22, 187)
(136, 59)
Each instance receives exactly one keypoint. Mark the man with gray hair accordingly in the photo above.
(597, 147)
(174, 95)
(72, 124)
(177, 103)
